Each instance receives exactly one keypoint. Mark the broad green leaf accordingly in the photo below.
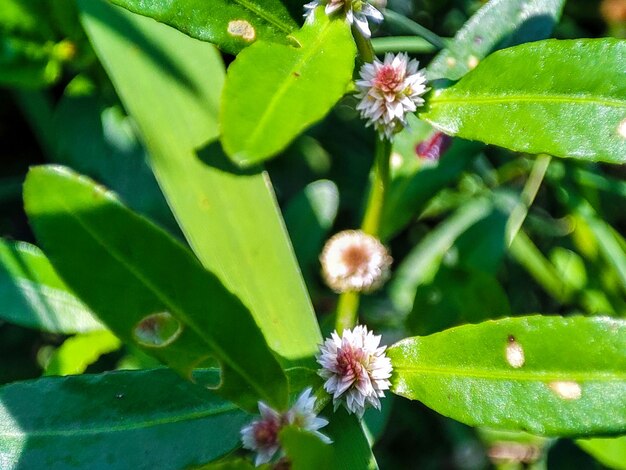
(545, 375)
(309, 217)
(351, 449)
(219, 208)
(563, 98)
(229, 24)
(304, 450)
(424, 259)
(33, 295)
(498, 24)
(119, 420)
(146, 287)
(262, 113)
(80, 351)
(610, 451)
(100, 141)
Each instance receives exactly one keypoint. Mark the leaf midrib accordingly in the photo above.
(514, 375)
(306, 53)
(525, 98)
(162, 297)
(121, 428)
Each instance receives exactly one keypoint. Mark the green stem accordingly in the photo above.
(374, 209)
(348, 304)
(519, 213)
(412, 44)
(411, 26)
(363, 45)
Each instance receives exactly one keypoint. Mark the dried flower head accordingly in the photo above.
(354, 261)
(356, 369)
(389, 90)
(357, 12)
(261, 435)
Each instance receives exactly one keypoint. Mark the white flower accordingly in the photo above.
(356, 369)
(302, 414)
(354, 261)
(261, 435)
(356, 11)
(389, 90)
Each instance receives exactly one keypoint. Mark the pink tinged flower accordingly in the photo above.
(261, 436)
(433, 147)
(356, 369)
(357, 12)
(389, 90)
(354, 261)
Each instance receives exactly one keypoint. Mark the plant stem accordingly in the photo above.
(363, 45)
(348, 304)
(411, 26)
(531, 188)
(374, 209)
(412, 44)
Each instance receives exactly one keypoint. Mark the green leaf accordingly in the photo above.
(424, 259)
(351, 449)
(77, 353)
(305, 450)
(309, 217)
(563, 98)
(610, 452)
(33, 295)
(262, 113)
(120, 420)
(545, 375)
(229, 24)
(220, 209)
(498, 24)
(147, 287)
(28, 64)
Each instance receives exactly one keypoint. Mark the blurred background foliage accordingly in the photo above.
(450, 231)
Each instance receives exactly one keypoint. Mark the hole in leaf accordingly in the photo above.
(157, 330)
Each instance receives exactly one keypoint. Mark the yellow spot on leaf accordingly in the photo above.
(472, 61)
(242, 29)
(567, 390)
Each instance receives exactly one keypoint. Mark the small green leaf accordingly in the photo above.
(262, 113)
(610, 452)
(563, 98)
(146, 287)
(33, 295)
(77, 353)
(120, 420)
(28, 64)
(304, 450)
(498, 24)
(545, 375)
(220, 208)
(229, 24)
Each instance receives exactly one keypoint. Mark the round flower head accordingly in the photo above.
(261, 436)
(357, 12)
(389, 90)
(354, 261)
(355, 368)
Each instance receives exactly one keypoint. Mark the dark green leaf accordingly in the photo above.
(220, 209)
(262, 113)
(147, 287)
(563, 98)
(229, 24)
(351, 449)
(545, 375)
(33, 295)
(120, 420)
(498, 24)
